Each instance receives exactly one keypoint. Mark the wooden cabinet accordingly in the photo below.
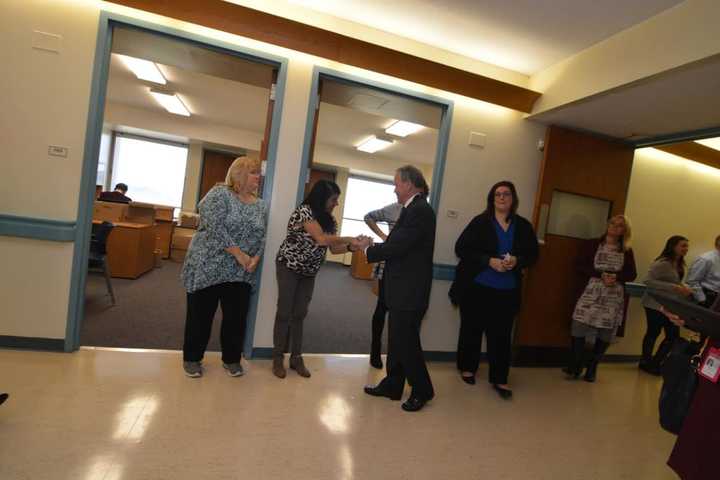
(163, 236)
(360, 268)
(130, 249)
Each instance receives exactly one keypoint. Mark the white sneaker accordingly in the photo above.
(193, 369)
(234, 369)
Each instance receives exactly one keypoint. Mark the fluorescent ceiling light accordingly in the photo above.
(401, 128)
(144, 69)
(373, 144)
(171, 102)
(710, 142)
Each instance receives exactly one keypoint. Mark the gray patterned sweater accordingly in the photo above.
(225, 221)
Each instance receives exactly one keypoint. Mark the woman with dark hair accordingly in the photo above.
(311, 231)
(665, 273)
(605, 265)
(493, 249)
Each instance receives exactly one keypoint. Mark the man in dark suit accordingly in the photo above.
(117, 196)
(408, 255)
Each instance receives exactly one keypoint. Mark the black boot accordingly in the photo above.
(662, 353)
(577, 349)
(646, 363)
(598, 352)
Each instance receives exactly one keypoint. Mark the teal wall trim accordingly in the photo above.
(634, 289)
(443, 272)
(32, 343)
(678, 137)
(92, 146)
(37, 228)
(443, 132)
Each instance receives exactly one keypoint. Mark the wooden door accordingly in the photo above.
(214, 170)
(584, 166)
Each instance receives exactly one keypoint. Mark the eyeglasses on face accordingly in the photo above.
(503, 194)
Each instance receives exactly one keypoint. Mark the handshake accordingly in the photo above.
(361, 242)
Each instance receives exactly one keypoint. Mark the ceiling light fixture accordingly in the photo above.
(144, 69)
(401, 128)
(373, 144)
(170, 101)
(710, 142)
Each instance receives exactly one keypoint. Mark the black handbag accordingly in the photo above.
(680, 381)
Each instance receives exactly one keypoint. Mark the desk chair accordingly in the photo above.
(97, 258)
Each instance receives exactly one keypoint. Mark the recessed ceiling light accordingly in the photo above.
(710, 142)
(374, 144)
(144, 69)
(171, 102)
(401, 128)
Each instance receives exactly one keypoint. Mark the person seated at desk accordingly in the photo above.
(117, 196)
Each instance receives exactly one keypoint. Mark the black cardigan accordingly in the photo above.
(478, 243)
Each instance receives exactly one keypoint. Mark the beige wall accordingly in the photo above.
(668, 195)
(510, 153)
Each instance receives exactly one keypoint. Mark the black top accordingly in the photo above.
(408, 255)
(478, 243)
(116, 197)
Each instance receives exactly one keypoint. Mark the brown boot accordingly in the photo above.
(278, 368)
(297, 364)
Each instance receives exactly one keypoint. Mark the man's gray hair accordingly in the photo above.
(414, 176)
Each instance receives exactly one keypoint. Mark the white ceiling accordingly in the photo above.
(219, 101)
(344, 128)
(682, 100)
(521, 35)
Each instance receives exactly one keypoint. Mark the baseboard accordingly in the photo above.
(261, 353)
(33, 343)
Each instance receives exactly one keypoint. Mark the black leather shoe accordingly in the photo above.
(376, 362)
(378, 391)
(413, 404)
(505, 393)
(468, 380)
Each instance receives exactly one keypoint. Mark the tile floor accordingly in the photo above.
(112, 415)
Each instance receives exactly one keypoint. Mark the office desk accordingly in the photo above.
(130, 249)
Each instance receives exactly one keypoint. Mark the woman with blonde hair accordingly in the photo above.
(220, 266)
(605, 265)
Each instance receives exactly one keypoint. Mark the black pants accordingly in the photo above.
(657, 322)
(234, 299)
(405, 356)
(491, 312)
(378, 319)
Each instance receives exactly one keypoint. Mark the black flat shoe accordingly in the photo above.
(376, 362)
(413, 404)
(505, 393)
(378, 391)
(468, 380)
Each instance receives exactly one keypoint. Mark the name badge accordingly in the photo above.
(711, 366)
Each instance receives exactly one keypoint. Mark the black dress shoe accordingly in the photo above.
(376, 362)
(378, 391)
(468, 380)
(413, 404)
(505, 393)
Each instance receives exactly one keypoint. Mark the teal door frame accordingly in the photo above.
(108, 21)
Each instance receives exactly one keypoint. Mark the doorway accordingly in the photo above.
(228, 108)
(345, 114)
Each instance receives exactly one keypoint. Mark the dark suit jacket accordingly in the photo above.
(478, 243)
(408, 255)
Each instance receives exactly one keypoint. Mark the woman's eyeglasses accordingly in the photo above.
(503, 194)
